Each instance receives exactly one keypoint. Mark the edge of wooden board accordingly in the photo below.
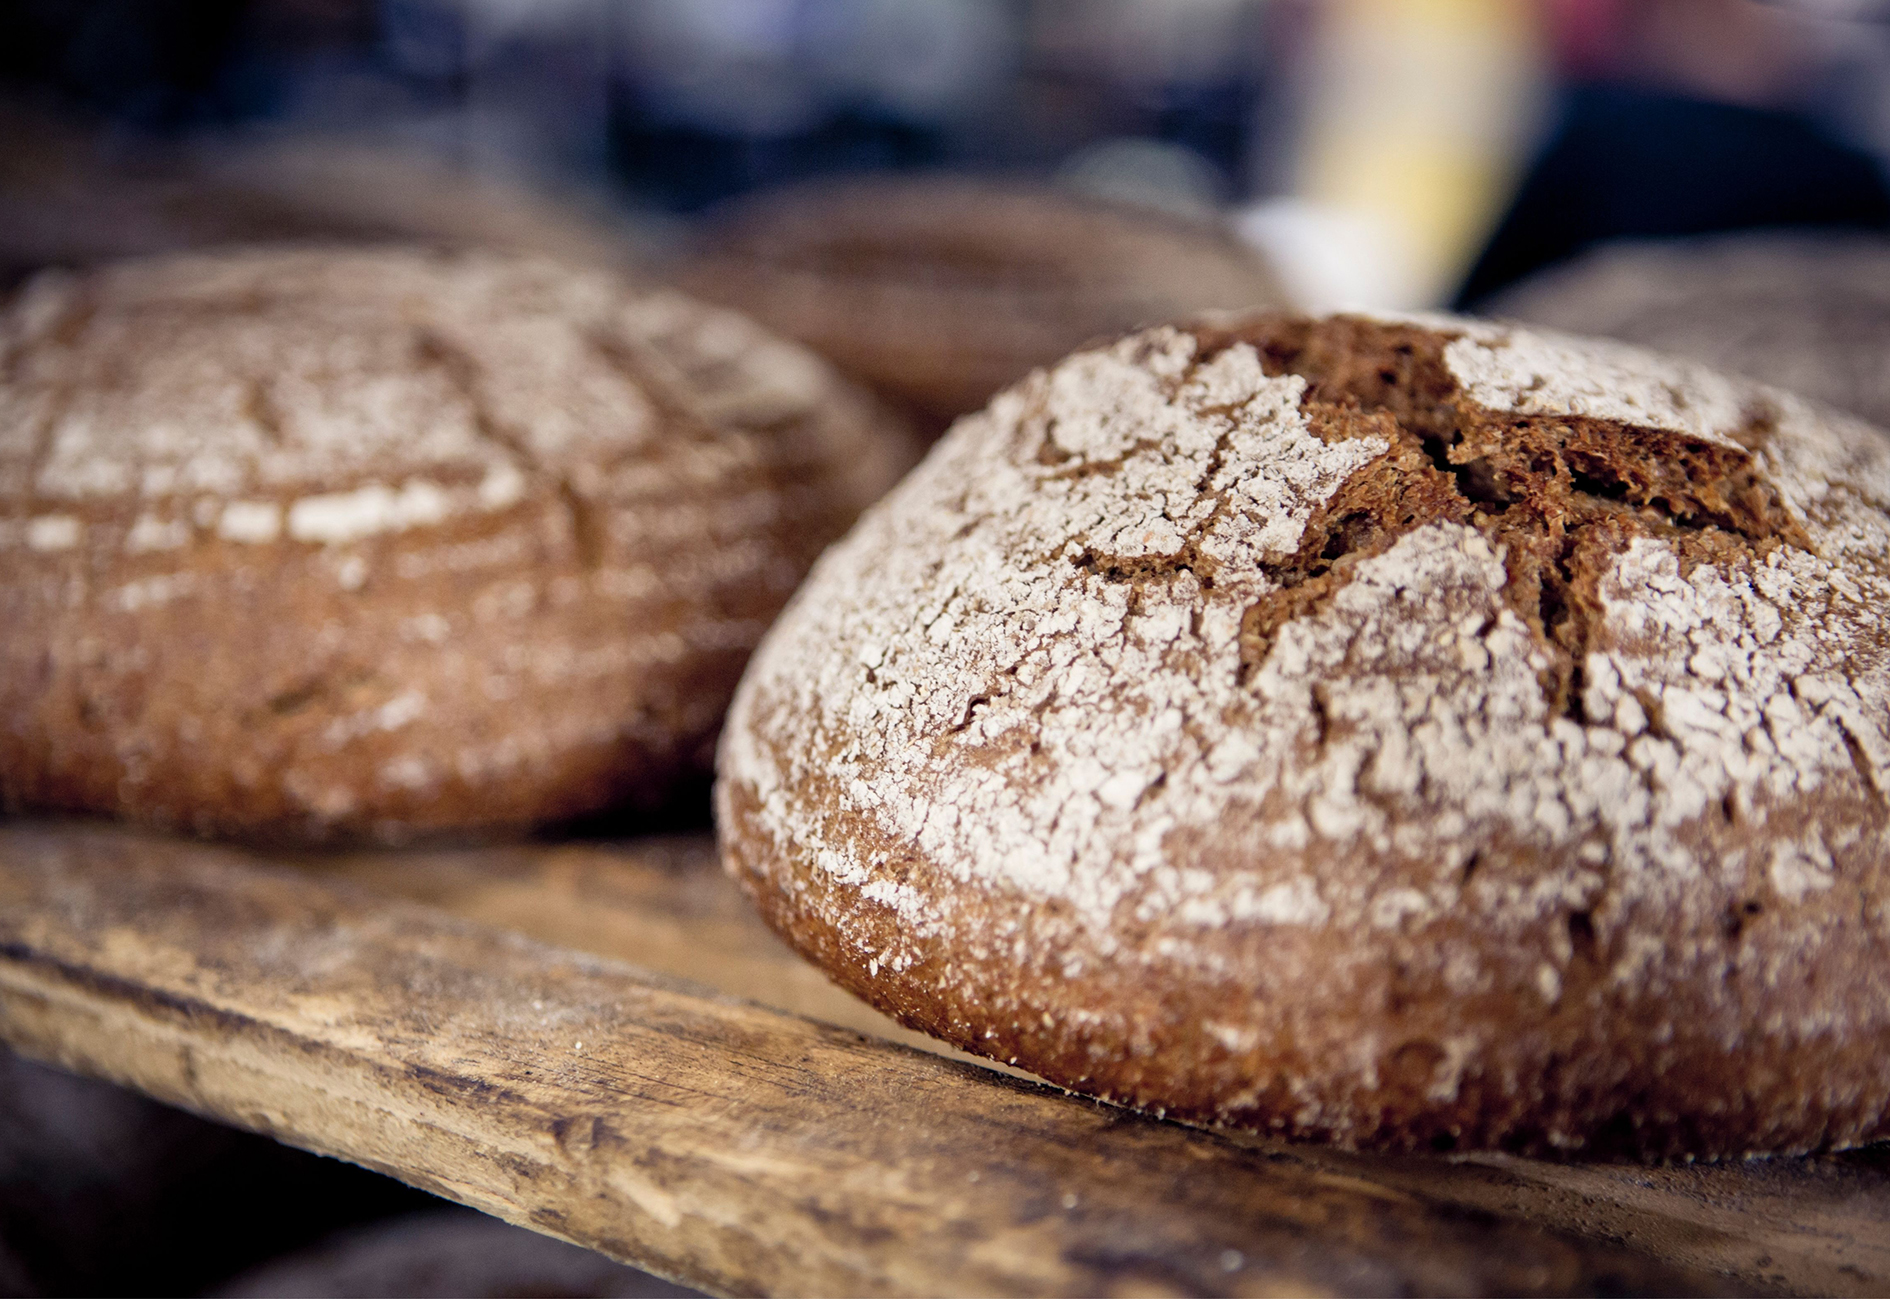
(718, 1142)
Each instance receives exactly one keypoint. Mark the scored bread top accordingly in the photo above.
(320, 540)
(438, 382)
(1331, 725)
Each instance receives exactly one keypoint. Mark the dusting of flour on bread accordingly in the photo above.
(316, 542)
(1540, 670)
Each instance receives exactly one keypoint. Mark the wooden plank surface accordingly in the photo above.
(748, 1150)
(1810, 1226)
(661, 903)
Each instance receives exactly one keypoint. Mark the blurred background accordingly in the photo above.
(1707, 176)
(1386, 152)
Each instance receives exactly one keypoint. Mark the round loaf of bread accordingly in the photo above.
(1404, 733)
(314, 542)
(938, 291)
(1808, 312)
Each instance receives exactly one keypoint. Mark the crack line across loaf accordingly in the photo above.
(1188, 588)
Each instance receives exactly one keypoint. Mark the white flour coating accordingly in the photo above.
(332, 396)
(955, 676)
(53, 532)
(1551, 374)
(316, 525)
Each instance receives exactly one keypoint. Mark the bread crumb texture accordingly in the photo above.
(1405, 732)
(313, 542)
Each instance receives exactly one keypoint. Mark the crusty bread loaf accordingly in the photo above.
(1808, 312)
(1407, 733)
(937, 291)
(313, 543)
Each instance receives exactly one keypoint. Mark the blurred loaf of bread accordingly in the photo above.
(315, 542)
(937, 291)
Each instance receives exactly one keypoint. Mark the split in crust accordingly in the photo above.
(1405, 732)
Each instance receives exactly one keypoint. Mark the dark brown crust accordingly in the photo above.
(1593, 1074)
(1703, 1054)
(1558, 495)
(501, 667)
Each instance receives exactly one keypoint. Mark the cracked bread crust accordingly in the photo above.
(320, 543)
(1400, 732)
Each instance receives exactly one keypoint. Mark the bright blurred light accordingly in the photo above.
(1335, 258)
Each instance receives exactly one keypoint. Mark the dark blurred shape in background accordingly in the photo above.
(445, 1252)
(105, 1192)
(1685, 117)
(1373, 146)
(1626, 162)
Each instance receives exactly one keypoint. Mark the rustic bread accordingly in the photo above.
(1403, 733)
(937, 291)
(316, 543)
(1808, 312)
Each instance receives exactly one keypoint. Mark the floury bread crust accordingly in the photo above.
(1398, 732)
(322, 543)
(1808, 312)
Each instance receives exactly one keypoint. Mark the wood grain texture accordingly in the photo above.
(1810, 1226)
(661, 903)
(719, 1142)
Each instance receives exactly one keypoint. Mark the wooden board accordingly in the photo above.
(390, 1009)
